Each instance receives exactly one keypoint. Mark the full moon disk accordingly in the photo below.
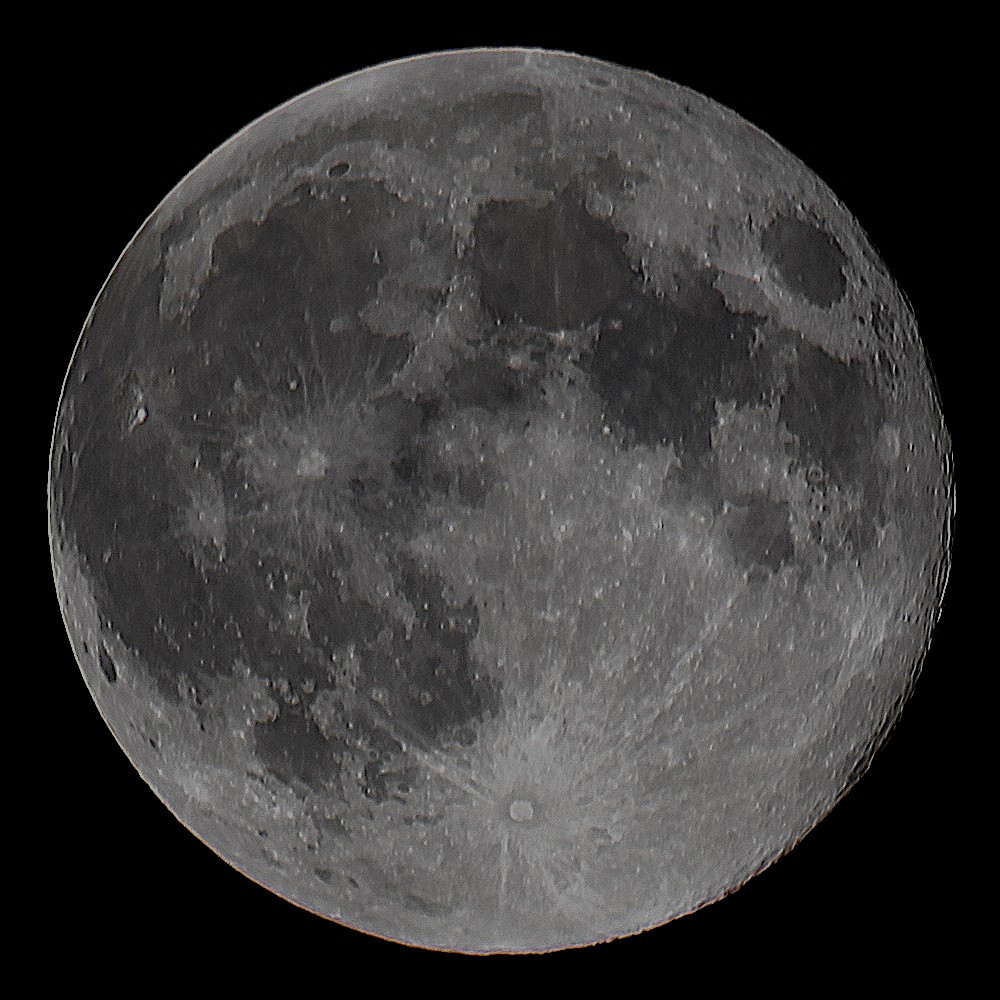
(499, 501)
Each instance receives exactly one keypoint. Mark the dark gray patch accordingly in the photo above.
(486, 383)
(423, 123)
(393, 131)
(425, 906)
(862, 529)
(431, 681)
(759, 532)
(337, 619)
(174, 629)
(836, 413)
(555, 266)
(427, 477)
(205, 619)
(808, 259)
(474, 482)
(378, 495)
(265, 315)
(661, 363)
(293, 749)
(97, 495)
(385, 776)
(609, 173)
(420, 475)
(418, 687)
(499, 109)
(284, 295)
(107, 665)
(182, 226)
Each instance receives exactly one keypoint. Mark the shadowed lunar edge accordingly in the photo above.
(499, 501)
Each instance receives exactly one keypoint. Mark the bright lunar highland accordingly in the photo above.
(499, 501)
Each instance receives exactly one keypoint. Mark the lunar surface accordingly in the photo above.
(499, 501)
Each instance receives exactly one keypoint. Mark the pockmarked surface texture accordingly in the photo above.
(499, 501)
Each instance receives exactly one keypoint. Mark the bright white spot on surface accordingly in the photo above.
(313, 465)
(889, 444)
(140, 416)
(521, 811)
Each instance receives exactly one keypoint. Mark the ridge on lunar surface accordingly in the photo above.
(499, 501)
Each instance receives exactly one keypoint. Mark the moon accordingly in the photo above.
(499, 501)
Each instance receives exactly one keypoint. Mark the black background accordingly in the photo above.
(884, 878)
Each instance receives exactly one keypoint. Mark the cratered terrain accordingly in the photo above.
(499, 501)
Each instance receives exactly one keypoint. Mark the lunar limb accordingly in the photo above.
(499, 501)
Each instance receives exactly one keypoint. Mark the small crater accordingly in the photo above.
(522, 811)
(140, 416)
(107, 665)
(425, 906)
(338, 169)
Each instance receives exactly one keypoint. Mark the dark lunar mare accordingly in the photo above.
(552, 266)
(760, 532)
(662, 363)
(808, 259)
(187, 620)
